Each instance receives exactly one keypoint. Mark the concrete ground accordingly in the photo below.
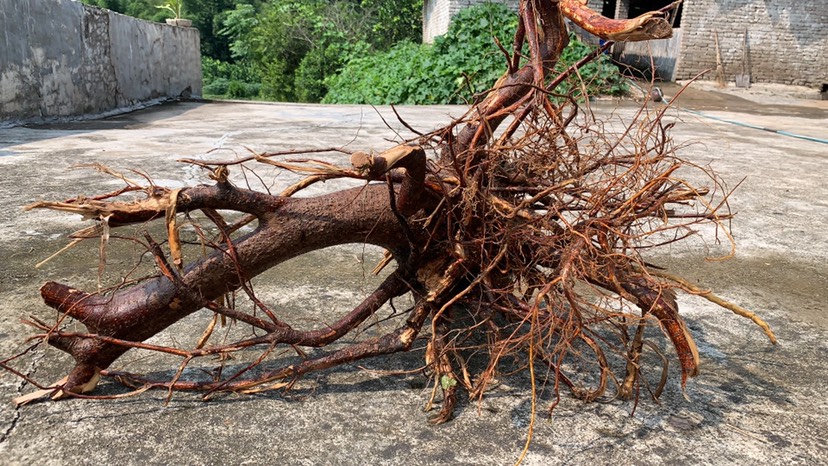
(752, 403)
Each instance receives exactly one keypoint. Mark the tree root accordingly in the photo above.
(519, 247)
(394, 342)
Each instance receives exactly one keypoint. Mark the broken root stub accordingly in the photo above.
(519, 248)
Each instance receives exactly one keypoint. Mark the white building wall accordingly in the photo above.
(437, 14)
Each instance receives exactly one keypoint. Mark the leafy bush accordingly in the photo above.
(464, 62)
(323, 62)
(236, 80)
(276, 81)
(600, 76)
(242, 90)
(216, 87)
(394, 76)
(212, 69)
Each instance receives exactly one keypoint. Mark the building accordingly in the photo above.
(778, 41)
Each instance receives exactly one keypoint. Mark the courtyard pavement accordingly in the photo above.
(753, 403)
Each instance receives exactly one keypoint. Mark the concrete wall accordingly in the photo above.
(59, 58)
(788, 40)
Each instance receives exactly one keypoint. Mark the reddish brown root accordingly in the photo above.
(525, 235)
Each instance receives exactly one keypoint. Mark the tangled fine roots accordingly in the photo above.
(550, 245)
(521, 248)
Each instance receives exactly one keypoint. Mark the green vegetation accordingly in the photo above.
(599, 77)
(461, 63)
(353, 51)
(144, 9)
(175, 7)
(231, 80)
(464, 62)
(296, 46)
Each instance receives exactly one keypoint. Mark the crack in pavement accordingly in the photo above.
(13, 424)
(5, 435)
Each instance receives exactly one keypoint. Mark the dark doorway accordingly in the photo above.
(639, 7)
(608, 8)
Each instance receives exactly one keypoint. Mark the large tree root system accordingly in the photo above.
(517, 231)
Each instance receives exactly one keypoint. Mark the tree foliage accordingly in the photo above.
(299, 45)
(142, 9)
(394, 21)
(208, 18)
(463, 62)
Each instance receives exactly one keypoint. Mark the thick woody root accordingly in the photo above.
(286, 229)
(396, 341)
(648, 26)
(290, 229)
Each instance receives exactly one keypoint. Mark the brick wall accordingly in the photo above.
(788, 40)
(435, 19)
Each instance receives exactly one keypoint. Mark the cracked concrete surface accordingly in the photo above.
(13, 422)
(22, 385)
(751, 404)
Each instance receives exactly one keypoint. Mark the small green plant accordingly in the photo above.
(173, 6)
